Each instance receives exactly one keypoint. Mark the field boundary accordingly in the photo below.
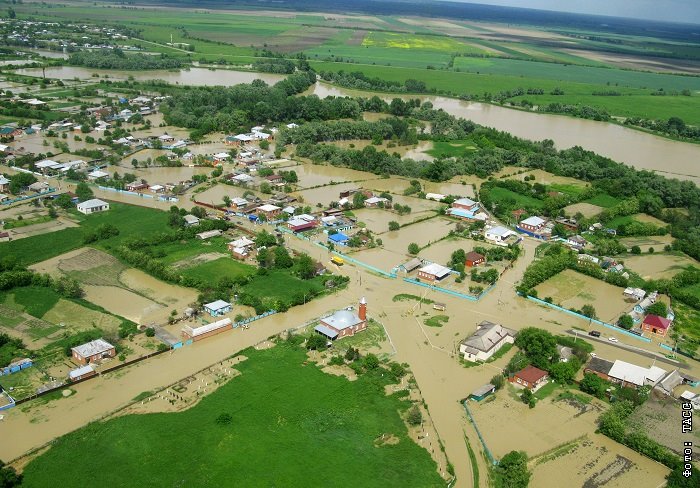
(493, 460)
(599, 322)
(141, 195)
(450, 292)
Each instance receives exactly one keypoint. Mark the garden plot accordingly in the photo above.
(588, 210)
(377, 219)
(657, 266)
(325, 194)
(312, 175)
(215, 195)
(422, 233)
(645, 242)
(440, 252)
(595, 462)
(660, 421)
(571, 289)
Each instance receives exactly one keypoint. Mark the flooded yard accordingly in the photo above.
(657, 266)
(377, 219)
(312, 175)
(215, 194)
(421, 233)
(570, 289)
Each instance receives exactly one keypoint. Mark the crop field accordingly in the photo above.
(603, 200)
(500, 195)
(281, 285)
(570, 289)
(659, 265)
(257, 428)
(588, 210)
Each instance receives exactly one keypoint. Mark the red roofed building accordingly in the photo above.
(474, 259)
(656, 325)
(530, 377)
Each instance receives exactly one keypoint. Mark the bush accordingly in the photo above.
(512, 470)
(657, 308)
(413, 248)
(224, 419)
(316, 342)
(625, 321)
(414, 416)
(593, 385)
(370, 362)
(498, 381)
(337, 361)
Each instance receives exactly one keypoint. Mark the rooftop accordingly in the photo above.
(599, 365)
(217, 305)
(435, 269)
(658, 322)
(486, 337)
(499, 231)
(197, 331)
(81, 371)
(531, 374)
(95, 202)
(342, 319)
(468, 202)
(637, 375)
(533, 221)
(98, 346)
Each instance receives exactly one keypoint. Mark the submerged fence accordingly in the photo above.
(478, 432)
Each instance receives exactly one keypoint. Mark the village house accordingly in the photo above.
(339, 239)
(4, 184)
(530, 377)
(487, 339)
(376, 201)
(482, 392)
(411, 265)
(221, 157)
(569, 224)
(194, 333)
(587, 258)
(92, 206)
(433, 272)
(466, 204)
(93, 351)
(474, 259)
(344, 323)
(275, 179)
(498, 234)
(217, 308)
(81, 373)
(301, 223)
(157, 188)
(240, 248)
(190, 220)
(242, 178)
(624, 373)
(576, 242)
(97, 174)
(656, 325)
(635, 294)
(39, 187)
(238, 202)
(532, 226)
(269, 211)
(4, 236)
(47, 166)
(208, 234)
(134, 186)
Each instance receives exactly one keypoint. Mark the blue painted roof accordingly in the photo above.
(338, 237)
(326, 331)
(460, 212)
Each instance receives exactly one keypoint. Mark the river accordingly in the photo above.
(641, 150)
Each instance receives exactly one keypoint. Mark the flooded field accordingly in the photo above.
(326, 194)
(570, 289)
(191, 76)
(421, 233)
(440, 252)
(416, 151)
(588, 210)
(377, 219)
(657, 266)
(38, 144)
(215, 194)
(645, 242)
(312, 175)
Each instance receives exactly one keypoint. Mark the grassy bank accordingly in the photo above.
(276, 436)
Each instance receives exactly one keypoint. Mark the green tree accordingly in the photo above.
(625, 321)
(150, 332)
(316, 342)
(498, 381)
(512, 470)
(306, 267)
(593, 385)
(589, 311)
(559, 230)
(565, 372)
(83, 191)
(265, 187)
(358, 200)
(636, 250)
(370, 361)
(658, 308)
(414, 416)
(394, 225)
(282, 258)
(264, 239)
(20, 181)
(63, 201)
(538, 345)
(9, 477)
(413, 248)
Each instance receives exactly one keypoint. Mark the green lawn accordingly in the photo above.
(499, 194)
(287, 419)
(436, 321)
(212, 271)
(181, 250)
(603, 200)
(687, 325)
(568, 189)
(34, 300)
(131, 221)
(451, 149)
(620, 220)
(282, 285)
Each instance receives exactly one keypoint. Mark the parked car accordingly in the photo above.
(612, 339)
(594, 333)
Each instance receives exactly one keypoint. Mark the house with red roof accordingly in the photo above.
(530, 377)
(656, 325)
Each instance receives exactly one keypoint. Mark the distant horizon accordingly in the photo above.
(679, 11)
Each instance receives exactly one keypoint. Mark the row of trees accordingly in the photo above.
(117, 59)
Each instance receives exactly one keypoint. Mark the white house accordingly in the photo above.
(498, 234)
(438, 197)
(191, 220)
(91, 206)
(487, 339)
(97, 174)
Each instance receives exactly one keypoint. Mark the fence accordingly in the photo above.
(10, 401)
(476, 427)
(448, 291)
(29, 197)
(162, 198)
(235, 325)
(596, 321)
(14, 368)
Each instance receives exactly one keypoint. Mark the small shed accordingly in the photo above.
(482, 392)
(474, 259)
(216, 308)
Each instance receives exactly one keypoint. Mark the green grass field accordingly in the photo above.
(281, 285)
(502, 194)
(603, 200)
(451, 148)
(211, 271)
(34, 300)
(287, 419)
(129, 219)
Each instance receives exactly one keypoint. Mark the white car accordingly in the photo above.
(612, 339)
(593, 355)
